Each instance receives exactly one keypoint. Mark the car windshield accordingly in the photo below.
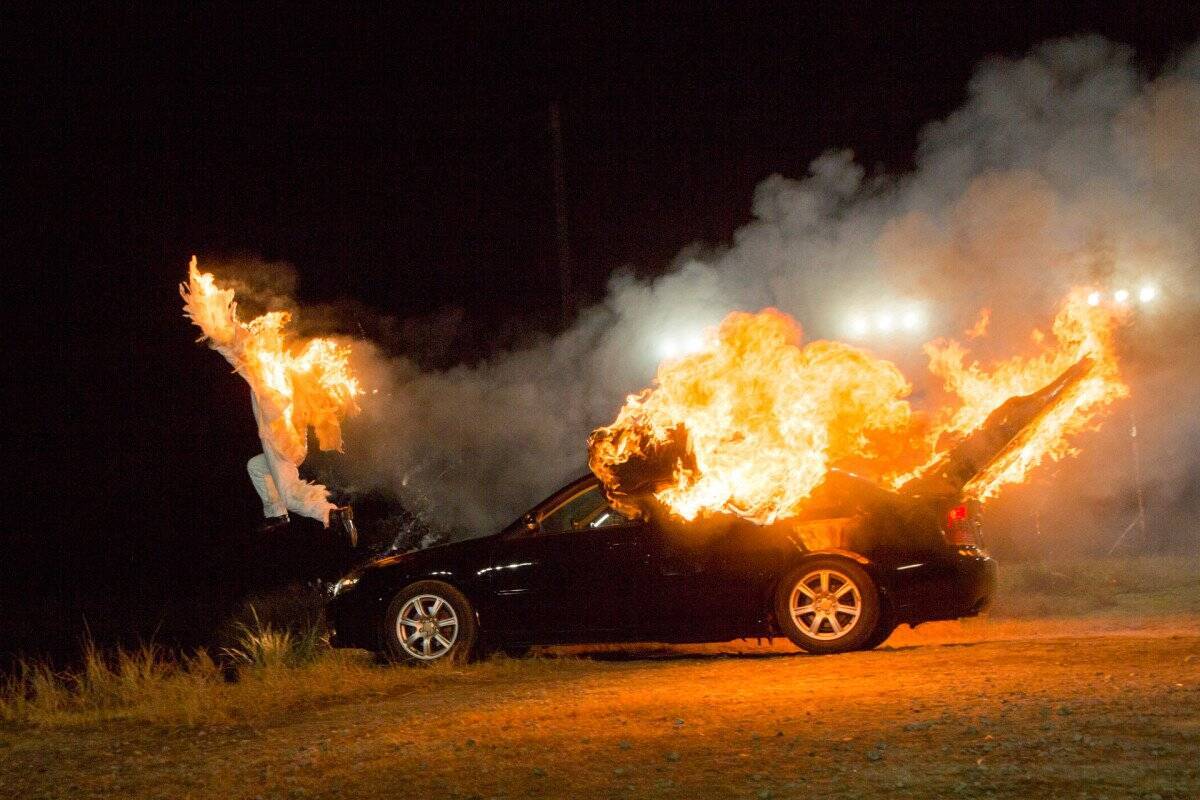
(587, 508)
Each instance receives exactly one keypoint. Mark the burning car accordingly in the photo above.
(575, 569)
(723, 502)
(858, 561)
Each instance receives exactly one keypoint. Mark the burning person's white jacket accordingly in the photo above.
(291, 389)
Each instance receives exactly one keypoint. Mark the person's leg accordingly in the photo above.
(300, 497)
(264, 483)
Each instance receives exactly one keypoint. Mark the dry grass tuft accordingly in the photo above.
(158, 685)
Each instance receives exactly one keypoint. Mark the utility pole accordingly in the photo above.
(1139, 521)
(560, 212)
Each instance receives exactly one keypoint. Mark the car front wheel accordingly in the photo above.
(828, 605)
(430, 621)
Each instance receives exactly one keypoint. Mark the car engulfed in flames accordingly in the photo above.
(760, 487)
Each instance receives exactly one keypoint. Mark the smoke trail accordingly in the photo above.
(1065, 166)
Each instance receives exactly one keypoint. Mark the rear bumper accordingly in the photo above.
(961, 584)
(975, 585)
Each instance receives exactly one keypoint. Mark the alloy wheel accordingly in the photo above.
(427, 627)
(825, 604)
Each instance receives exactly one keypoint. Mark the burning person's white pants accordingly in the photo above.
(281, 489)
(277, 480)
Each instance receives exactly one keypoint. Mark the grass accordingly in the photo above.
(1147, 586)
(271, 666)
(1112, 715)
(263, 648)
(147, 683)
(267, 672)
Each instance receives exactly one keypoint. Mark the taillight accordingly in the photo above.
(960, 528)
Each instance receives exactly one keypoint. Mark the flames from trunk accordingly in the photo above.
(298, 384)
(1080, 330)
(753, 422)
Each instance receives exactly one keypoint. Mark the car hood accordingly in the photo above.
(437, 551)
(999, 432)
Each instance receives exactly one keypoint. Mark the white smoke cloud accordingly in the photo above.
(1064, 166)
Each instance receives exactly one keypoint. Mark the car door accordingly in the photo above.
(573, 572)
(712, 582)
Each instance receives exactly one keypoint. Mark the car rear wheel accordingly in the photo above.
(883, 627)
(430, 621)
(828, 605)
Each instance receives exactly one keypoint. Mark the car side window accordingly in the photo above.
(587, 509)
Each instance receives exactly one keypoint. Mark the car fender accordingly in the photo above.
(881, 585)
(837, 551)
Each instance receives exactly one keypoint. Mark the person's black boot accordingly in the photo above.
(342, 518)
(273, 524)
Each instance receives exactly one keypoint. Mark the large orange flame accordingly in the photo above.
(298, 384)
(764, 417)
(754, 421)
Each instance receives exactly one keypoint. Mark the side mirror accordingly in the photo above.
(530, 522)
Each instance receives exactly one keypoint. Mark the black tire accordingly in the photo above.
(826, 627)
(883, 629)
(435, 613)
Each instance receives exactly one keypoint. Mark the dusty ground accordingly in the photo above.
(1097, 707)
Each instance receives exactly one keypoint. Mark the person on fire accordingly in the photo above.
(291, 390)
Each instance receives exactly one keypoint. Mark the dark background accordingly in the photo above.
(401, 161)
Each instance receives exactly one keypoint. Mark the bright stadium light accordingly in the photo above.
(901, 316)
(1147, 293)
(1094, 298)
(676, 347)
(1121, 296)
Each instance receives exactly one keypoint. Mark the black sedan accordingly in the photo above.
(575, 570)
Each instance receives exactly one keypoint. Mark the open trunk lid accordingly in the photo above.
(1005, 428)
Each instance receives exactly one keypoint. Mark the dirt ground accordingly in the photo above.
(1100, 707)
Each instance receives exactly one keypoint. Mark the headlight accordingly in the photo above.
(344, 585)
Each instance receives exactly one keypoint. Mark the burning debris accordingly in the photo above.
(753, 423)
(293, 386)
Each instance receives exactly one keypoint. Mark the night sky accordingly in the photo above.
(401, 161)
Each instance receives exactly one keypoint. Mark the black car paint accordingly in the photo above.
(652, 581)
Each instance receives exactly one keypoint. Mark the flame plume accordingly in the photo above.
(298, 385)
(764, 418)
(752, 423)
